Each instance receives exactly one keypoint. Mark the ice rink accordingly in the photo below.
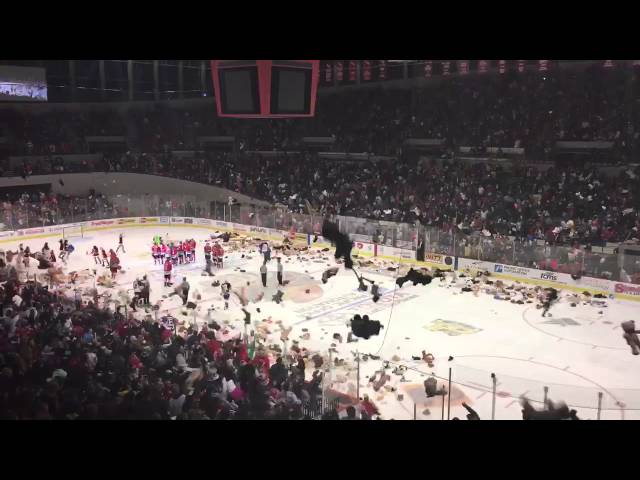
(576, 353)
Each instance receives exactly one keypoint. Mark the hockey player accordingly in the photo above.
(180, 249)
(67, 252)
(193, 245)
(163, 252)
(187, 251)
(218, 253)
(114, 264)
(105, 257)
(120, 244)
(96, 254)
(168, 266)
(174, 253)
(155, 253)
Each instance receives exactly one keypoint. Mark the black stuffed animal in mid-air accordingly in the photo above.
(340, 240)
(559, 411)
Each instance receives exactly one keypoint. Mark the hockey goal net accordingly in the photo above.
(75, 231)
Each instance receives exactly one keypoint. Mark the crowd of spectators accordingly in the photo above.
(61, 358)
(560, 205)
(40, 209)
(528, 110)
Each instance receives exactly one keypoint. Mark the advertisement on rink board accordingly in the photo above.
(98, 223)
(363, 247)
(203, 221)
(221, 224)
(385, 251)
(124, 221)
(258, 229)
(148, 220)
(591, 282)
(627, 289)
(533, 274)
(164, 219)
(188, 220)
(549, 276)
(360, 238)
(511, 270)
(438, 258)
(177, 220)
(404, 244)
(6, 234)
(467, 263)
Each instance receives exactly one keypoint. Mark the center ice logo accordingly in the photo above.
(451, 328)
(498, 268)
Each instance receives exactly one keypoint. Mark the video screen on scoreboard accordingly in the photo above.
(239, 91)
(22, 84)
(290, 90)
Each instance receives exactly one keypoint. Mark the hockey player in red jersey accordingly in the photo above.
(180, 249)
(168, 266)
(193, 245)
(114, 264)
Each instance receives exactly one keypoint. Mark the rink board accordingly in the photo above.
(612, 289)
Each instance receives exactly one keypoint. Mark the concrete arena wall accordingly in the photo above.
(128, 183)
(612, 289)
